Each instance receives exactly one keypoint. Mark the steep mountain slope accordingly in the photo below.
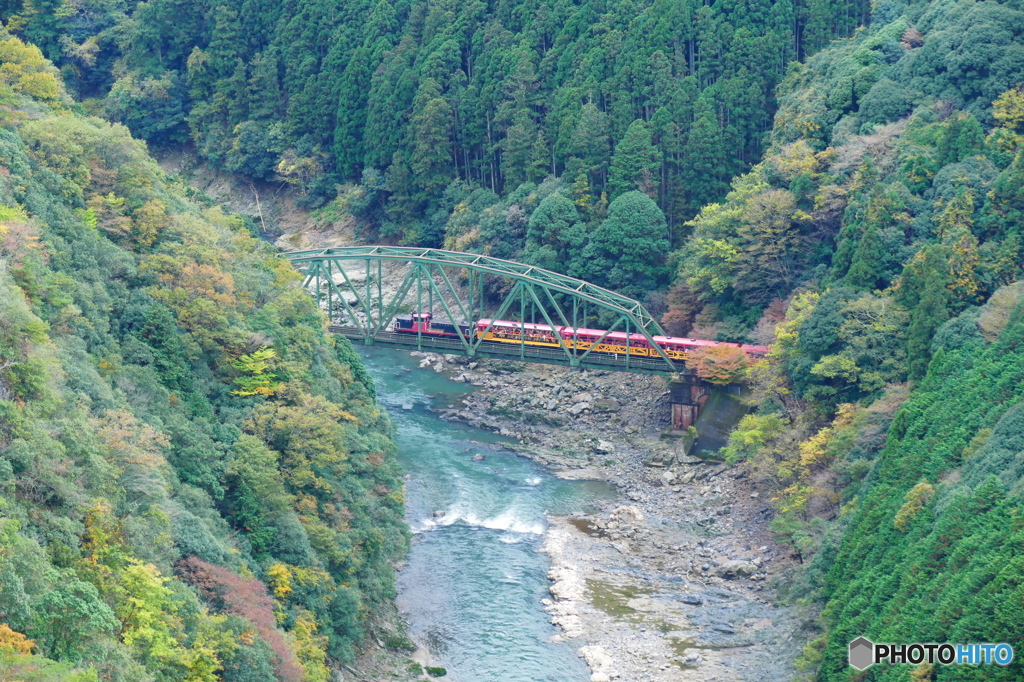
(878, 246)
(197, 482)
(852, 190)
(932, 549)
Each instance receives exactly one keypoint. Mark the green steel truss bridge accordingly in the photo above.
(362, 300)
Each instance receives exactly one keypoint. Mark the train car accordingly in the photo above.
(504, 331)
(579, 339)
(428, 325)
(756, 352)
(618, 343)
(677, 347)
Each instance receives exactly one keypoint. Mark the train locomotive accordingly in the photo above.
(577, 338)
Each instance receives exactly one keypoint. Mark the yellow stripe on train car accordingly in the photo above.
(517, 340)
(621, 350)
(580, 345)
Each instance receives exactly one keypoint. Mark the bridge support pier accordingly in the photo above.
(686, 399)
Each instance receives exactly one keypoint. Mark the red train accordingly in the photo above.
(503, 331)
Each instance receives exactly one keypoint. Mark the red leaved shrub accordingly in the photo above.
(247, 598)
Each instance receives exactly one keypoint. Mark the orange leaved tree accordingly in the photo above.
(719, 365)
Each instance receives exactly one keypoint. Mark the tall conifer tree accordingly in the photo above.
(705, 160)
(636, 163)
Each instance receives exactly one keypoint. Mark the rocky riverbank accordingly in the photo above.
(669, 582)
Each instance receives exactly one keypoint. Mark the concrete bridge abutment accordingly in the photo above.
(687, 396)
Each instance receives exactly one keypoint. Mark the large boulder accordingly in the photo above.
(598, 659)
(736, 568)
(628, 515)
(579, 408)
(606, 405)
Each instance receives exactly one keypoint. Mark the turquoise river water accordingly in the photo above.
(472, 586)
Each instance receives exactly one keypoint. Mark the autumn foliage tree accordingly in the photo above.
(246, 598)
(255, 378)
(721, 365)
(683, 307)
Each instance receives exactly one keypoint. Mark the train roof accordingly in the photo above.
(611, 335)
(482, 324)
(750, 348)
(434, 319)
(682, 341)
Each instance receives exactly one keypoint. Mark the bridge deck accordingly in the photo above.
(549, 356)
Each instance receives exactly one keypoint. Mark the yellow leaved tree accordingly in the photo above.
(1008, 110)
(256, 379)
(12, 642)
(25, 71)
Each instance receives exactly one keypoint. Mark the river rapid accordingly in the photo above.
(473, 581)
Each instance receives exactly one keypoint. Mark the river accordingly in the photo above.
(473, 581)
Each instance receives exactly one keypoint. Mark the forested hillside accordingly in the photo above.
(878, 248)
(907, 187)
(409, 97)
(197, 483)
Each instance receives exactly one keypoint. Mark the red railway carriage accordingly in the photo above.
(505, 331)
(758, 352)
(579, 338)
(615, 338)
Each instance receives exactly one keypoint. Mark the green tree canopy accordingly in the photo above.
(635, 164)
(555, 236)
(628, 250)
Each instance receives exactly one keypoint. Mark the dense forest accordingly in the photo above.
(197, 483)
(414, 98)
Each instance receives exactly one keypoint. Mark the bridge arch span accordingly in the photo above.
(359, 308)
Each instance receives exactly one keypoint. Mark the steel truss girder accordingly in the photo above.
(428, 265)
